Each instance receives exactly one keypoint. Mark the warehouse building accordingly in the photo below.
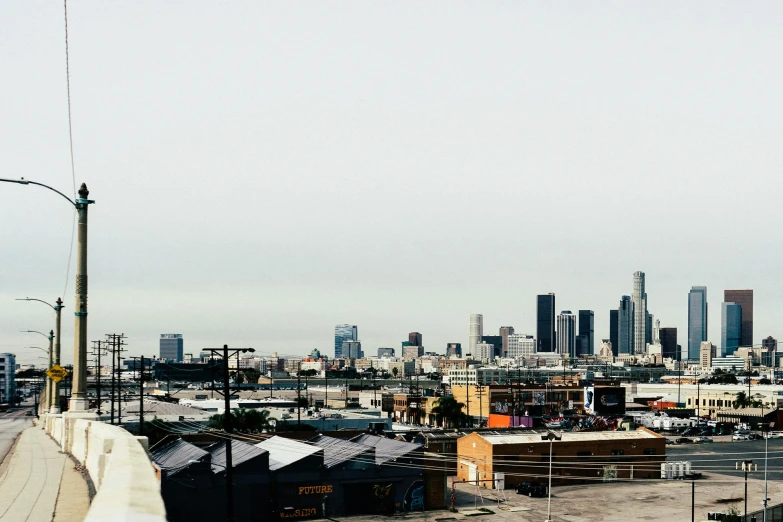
(504, 461)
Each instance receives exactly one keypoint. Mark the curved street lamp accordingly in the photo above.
(45, 404)
(79, 401)
(54, 399)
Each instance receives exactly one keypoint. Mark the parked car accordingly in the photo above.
(739, 436)
(775, 435)
(669, 441)
(754, 436)
(683, 440)
(704, 439)
(531, 489)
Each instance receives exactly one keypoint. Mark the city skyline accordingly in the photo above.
(225, 153)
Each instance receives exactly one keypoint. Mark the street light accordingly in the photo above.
(747, 467)
(46, 403)
(78, 401)
(551, 437)
(54, 404)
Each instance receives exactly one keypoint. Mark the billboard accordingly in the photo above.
(605, 400)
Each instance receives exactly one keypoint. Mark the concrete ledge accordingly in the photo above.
(118, 464)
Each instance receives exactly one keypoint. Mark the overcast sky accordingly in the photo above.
(265, 170)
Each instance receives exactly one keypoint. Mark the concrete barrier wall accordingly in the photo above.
(119, 467)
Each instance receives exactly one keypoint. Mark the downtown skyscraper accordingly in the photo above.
(640, 320)
(730, 328)
(342, 333)
(625, 330)
(476, 332)
(585, 341)
(697, 321)
(744, 298)
(545, 323)
(566, 334)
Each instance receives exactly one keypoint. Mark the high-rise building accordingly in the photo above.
(613, 331)
(730, 328)
(744, 298)
(586, 332)
(414, 338)
(454, 350)
(476, 331)
(385, 352)
(521, 345)
(171, 347)
(707, 353)
(648, 330)
(504, 332)
(625, 330)
(668, 338)
(697, 321)
(566, 334)
(352, 350)
(7, 377)
(639, 298)
(342, 333)
(484, 352)
(496, 341)
(412, 352)
(545, 323)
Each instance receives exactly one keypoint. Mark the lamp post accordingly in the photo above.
(46, 402)
(551, 437)
(747, 467)
(54, 399)
(78, 401)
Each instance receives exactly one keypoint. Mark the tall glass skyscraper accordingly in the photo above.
(625, 331)
(697, 321)
(566, 334)
(639, 298)
(614, 331)
(744, 298)
(342, 333)
(730, 328)
(586, 332)
(545, 323)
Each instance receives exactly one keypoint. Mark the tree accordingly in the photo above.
(448, 412)
(252, 375)
(395, 371)
(245, 420)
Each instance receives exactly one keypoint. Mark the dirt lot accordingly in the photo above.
(616, 502)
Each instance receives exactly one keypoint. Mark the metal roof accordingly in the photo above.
(160, 408)
(567, 436)
(240, 452)
(386, 449)
(283, 452)
(337, 451)
(177, 455)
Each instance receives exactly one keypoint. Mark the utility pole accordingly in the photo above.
(111, 341)
(96, 352)
(227, 424)
(299, 395)
(480, 390)
(141, 398)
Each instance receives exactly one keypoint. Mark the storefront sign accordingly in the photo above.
(315, 490)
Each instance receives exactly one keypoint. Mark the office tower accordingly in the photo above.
(521, 345)
(697, 320)
(385, 352)
(730, 328)
(625, 330)
(613, 331)
(454, 350)
(744, 298)
(545, 323)
(484, 352)
(171, 347)
(342, 333)
(7, 377)
(352, 350)
(587, 332)
(707, 353)
(566, 334)
(410, 351)
(648, 330)
(504, 332)
(668, 338)
(639, 298)
(496, 341)
(476, 331)
(414, 338)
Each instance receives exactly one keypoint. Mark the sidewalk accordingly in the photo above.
(41, 484)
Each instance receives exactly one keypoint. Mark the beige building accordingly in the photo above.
(707, 352)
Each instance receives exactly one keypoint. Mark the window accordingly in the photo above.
(650, 451)
(618, 452)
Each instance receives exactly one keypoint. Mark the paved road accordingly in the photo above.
(720, 457)
(11, 425)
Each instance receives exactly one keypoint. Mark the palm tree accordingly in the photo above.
(448, 411)
(395, 371)
(245, 420)
(742, 401)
